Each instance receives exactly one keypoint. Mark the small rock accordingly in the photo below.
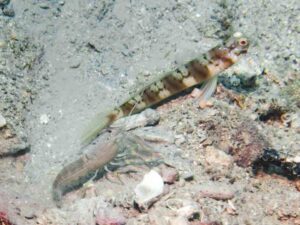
(205, 104)
(215, 191)
(109, 217)
(8, 133)
(2, 121)
(8, 11)
(295, 121)
(44, 119)
(2, 44)
(75, 63)
(201, 135)
(44, 6)
(207, 142)
(196, 93)
(234, 81)
(28, 212)
(179, 139)
(21, 146)
(169, 175)
(214, 156)
(188, 175)
(149, 189)
(231, 209)
(189, 211)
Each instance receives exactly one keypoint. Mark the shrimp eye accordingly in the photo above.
(243, 42)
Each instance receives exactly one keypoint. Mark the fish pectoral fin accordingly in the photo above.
(207, 91)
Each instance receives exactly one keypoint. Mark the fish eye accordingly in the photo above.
(243, 42)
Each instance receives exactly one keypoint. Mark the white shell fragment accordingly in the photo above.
(151, 186)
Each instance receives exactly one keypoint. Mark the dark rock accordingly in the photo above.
(8, 11)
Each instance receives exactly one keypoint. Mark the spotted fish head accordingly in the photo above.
(233, 48)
